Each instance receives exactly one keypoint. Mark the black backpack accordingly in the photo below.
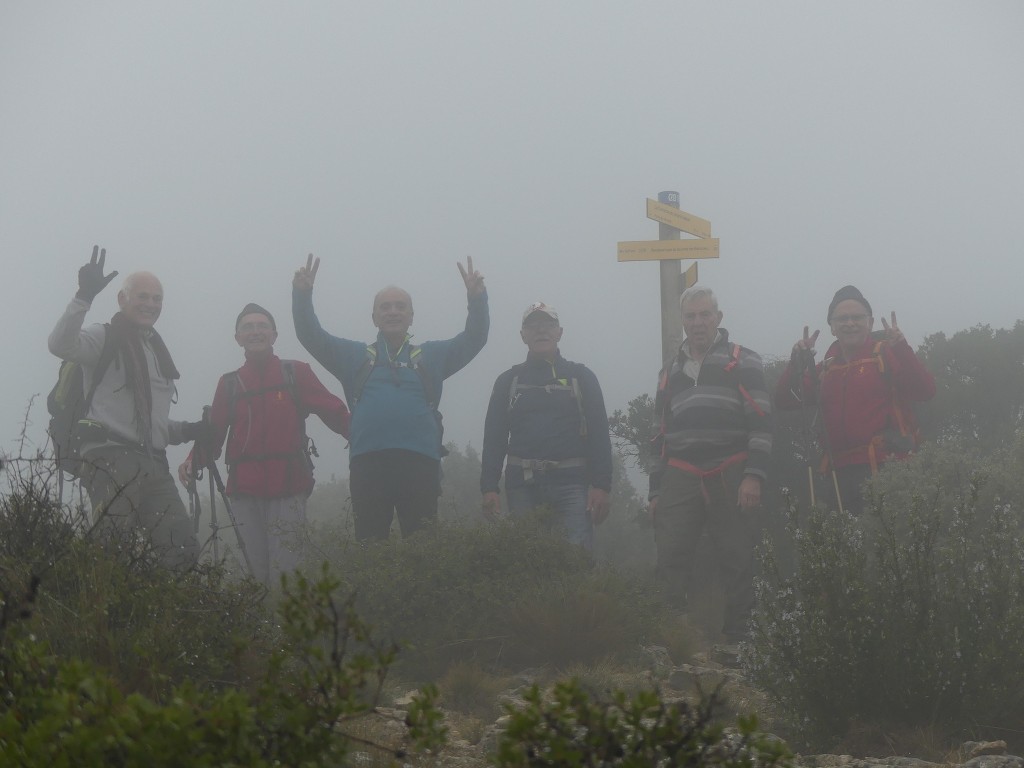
(68, 404)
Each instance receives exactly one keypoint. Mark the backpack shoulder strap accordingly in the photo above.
(513, 389)
(107, 355)
(732, 365)
(290, 383)
(426, 380)
(880, 358)
(734, 357)
(232, 386)
(359, 381)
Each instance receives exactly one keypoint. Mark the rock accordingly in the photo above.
(659, 660)
(980, 748)
(995, 761)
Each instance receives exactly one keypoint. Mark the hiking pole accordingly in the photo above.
(194, 504)
(826, 446)
(799, 364)
(213, 518)
(216, 480)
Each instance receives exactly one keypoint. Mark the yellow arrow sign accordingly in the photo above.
(681, 220)
(656, 250)
(690, 276)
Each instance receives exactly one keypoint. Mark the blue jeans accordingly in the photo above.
(567, 503)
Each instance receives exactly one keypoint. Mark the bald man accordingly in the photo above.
(393, 387)
(127, 428)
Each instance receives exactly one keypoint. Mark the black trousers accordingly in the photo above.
(389, 482)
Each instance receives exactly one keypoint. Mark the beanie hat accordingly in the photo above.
(255, 309)
(844, 293)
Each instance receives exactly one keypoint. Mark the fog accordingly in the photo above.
(216, 144)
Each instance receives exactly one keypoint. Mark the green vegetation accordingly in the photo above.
(900, 632)
(108, 659)
(910, 618)
(570, 727)
(507, 595)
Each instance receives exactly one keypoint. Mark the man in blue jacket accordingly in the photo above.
(393, 388)
(547, 416)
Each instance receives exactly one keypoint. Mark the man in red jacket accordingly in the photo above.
(863, 387)
(261, 408)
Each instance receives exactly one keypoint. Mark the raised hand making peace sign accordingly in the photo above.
(306, 276)
(806, 344)
(893, 334)
(474, 280)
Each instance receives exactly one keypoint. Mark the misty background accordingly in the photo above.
(216, 144)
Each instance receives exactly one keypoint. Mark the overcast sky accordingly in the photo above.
(216, 144)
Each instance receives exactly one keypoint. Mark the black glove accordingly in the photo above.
(199, 432)
(91, 279)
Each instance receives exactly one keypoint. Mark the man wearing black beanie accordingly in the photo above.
(863, 390)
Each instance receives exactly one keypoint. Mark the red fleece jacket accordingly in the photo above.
(858, 398)
(265, 454)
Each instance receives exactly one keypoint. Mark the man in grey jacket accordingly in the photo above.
(128, 426)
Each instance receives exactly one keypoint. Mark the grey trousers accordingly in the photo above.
(274, 534)
(682, 515)
(131, 490)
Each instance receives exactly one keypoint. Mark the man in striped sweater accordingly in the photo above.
(715, 419)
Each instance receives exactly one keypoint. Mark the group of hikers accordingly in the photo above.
(546, 427)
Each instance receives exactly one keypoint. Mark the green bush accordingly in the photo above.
(324, 679)
(510, 593)
(911, 617)
(571, 728)
(113, 606)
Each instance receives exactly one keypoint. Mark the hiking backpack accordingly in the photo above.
(68, 405)
(429, 390)
(234, 390)
(571, 384)
(902, 435)
(662, 406)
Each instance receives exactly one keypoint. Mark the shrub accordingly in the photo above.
(909, 618)
(491, 593)
(573, 728)
(468, 688)
(323, 680)
(113, 605)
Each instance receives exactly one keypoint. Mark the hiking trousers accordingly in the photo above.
(274, 533)
(685, 510)
(393, 482)
(132, 490)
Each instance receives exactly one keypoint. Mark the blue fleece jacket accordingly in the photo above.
(393, 409)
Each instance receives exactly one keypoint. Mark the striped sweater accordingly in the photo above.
(724, 412)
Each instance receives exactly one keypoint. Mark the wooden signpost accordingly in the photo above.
(669, 249)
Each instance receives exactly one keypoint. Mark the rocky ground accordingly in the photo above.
(718, 667)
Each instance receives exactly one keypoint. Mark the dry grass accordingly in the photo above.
(470, 690)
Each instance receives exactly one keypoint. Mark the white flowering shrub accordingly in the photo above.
(909, 617)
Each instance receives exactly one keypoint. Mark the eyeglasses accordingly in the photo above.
(841, 319)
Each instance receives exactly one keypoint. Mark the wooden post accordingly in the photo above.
(671, 222)
(671, 272)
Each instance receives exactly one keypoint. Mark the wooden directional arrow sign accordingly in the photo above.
(690, 277)
(681, 220)
(656, 250)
